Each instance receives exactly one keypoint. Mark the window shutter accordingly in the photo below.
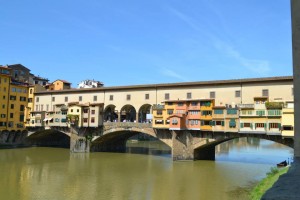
(242, 125)
(222, 123)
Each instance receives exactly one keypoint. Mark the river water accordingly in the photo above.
(143, 173)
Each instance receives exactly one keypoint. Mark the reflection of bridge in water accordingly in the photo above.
(112, 137)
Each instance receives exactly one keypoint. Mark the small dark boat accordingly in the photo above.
(282, 164)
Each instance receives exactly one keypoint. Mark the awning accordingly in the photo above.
(158, 120)
(50, 118)
(45, 119)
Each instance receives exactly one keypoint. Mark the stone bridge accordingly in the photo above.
(112, 137)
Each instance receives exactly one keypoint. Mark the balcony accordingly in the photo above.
(246, 106)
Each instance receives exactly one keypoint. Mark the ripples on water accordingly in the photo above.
(53, 173)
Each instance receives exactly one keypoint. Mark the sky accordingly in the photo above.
(137, 42)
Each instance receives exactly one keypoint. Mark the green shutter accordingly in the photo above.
(213, 123)
(251, 125)
(279, 126)
(265, 126)
(242, 125)
(222, 123)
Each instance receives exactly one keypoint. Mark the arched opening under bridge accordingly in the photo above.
(48, 138)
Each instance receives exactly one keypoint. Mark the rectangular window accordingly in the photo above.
(231, 112)
(146, 96)
(53, 99)
(22, 98)
(22, 107)
(111, 97)
(93, 112)
(170, 112)
(259, 125)
(189, 95)
(194, 103)
(265, 93)
(167, 96)
(218, 112)
(212, 95)
(11, 115)
(42, 107)
(80, 98)
(247, 125)
(12, 106)
(85, 110)
(237, 93)
(36, 107)
(47, 107)
(95, 98)
(159, 112)
(66, 99)
(274, 125)
(260, 112)
(21, 118)
(93, 120)
(180, 104)
(37, 99)
(12, 97)
(85, 120)
(128, 97)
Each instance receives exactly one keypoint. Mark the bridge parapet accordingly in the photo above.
(111, 125)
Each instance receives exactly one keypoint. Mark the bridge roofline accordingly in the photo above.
(172, 85)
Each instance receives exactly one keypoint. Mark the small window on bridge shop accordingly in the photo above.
(287, 128)
(174, 121)
(194, 112)
(80, 98)
(274, 125)
(169, 103)
(218, 111)
(180, 104)
(10, 124)
(170, 112)
(168, 121)
(85, 120)
(259, 125)
(32, 121)
(85, 110)
(56, 120)
(63, 112)
(206, 123)
(93, 120)
(218, 123)
(63, 120)
(159, 121)
(231, 112)
(93, 112)
(193, 103)
(206, 112)
(159, 112)
(246, 125)
(111, 97)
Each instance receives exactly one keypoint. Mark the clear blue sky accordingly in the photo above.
(134, 42)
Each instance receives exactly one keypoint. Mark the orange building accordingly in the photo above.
(59, 85)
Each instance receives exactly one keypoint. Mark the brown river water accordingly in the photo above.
(145, 172)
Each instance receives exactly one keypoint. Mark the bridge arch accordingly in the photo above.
(49, 138)
(143, 111)
(128, 113)
(115, 139)
(110, 114)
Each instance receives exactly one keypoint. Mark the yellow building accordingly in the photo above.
(4, 95)
(17, 102)
(288, 119)
(31, 100)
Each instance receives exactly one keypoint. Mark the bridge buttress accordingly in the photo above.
(182, 145)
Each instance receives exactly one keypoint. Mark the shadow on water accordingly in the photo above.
(148, 148)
